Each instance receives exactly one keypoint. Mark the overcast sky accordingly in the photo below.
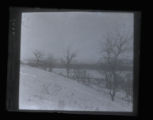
(82, 32)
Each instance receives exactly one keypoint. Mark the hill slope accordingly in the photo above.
(42, 90)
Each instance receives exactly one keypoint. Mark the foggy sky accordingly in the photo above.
(82, 32)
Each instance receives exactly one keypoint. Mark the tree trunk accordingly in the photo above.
(68, 71)
(112, 94)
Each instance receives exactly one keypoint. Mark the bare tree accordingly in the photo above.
(49, 62)
(128, 85)
(38, 55)
(68, 58)
(115, 46)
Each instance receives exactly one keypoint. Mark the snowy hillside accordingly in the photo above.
(42, 90)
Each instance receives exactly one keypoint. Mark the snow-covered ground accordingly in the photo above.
(42, 90)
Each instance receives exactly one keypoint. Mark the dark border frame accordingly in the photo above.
(14, 60)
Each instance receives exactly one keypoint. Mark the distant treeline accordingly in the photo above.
(94, 66)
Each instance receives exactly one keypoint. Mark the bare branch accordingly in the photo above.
(68, 60)
(38, 55)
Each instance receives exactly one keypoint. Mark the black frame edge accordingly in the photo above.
(137, 51)
(13, 60)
